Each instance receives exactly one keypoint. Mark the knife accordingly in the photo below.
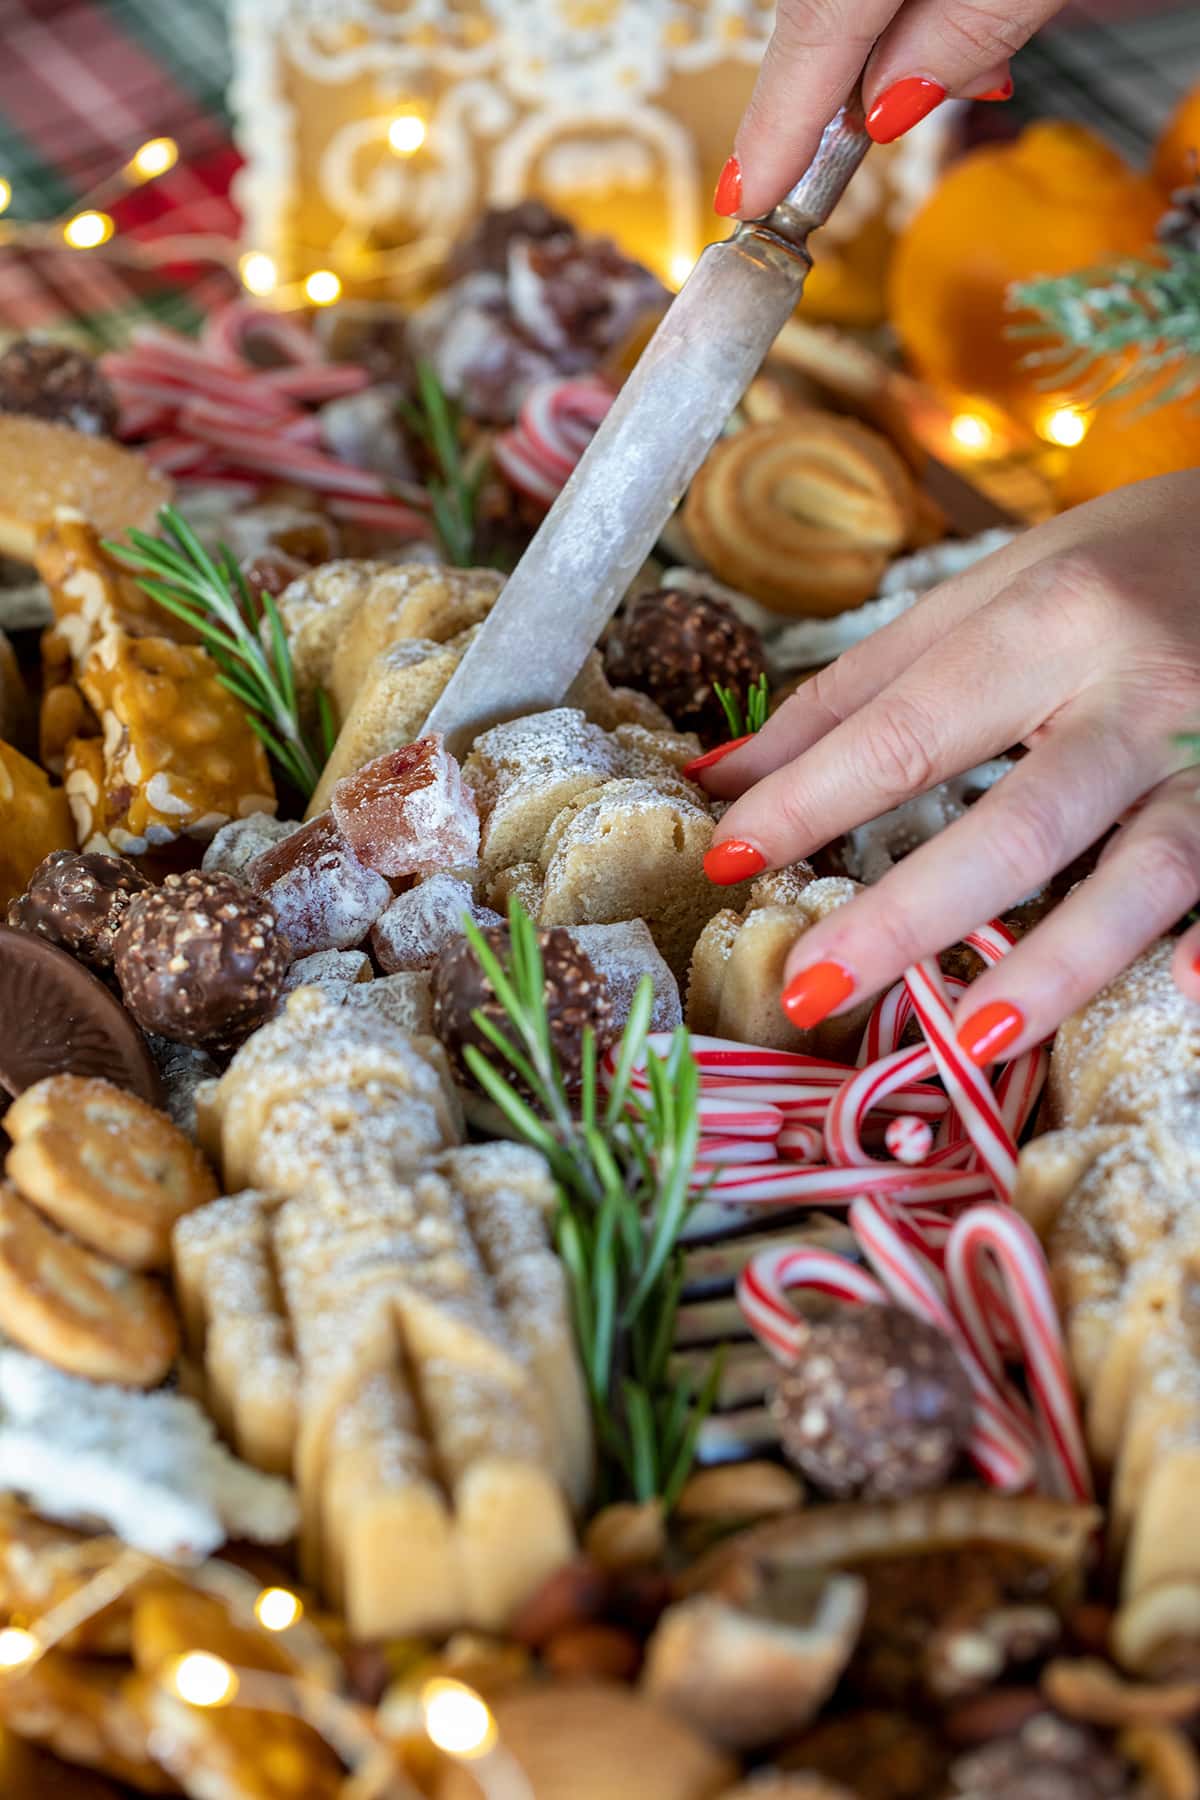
(634, 473)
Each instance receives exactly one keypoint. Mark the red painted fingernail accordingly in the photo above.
(733, 861)
(728, 198)
(1196, 965)
(988, 1033)
(714, 756)
(1003, 92)
(902, 106)
(813, 994)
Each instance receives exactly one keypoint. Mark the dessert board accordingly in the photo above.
(434, 1272)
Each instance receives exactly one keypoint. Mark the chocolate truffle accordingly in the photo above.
(1049, 1758)
(673, 646)
(877, 1406)
(78, 900)
(201, 960)
(576, 996)
(53, 381)
(487, 244)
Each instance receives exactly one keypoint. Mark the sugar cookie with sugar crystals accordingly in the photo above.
(81, 1313)
(102, 1164)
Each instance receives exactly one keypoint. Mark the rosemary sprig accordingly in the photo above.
(1130, 326)
(454, 491)
(622, 1164)
(214, 598)
(757, 702)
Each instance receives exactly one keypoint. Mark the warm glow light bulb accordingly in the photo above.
(456, 1719)
(17, 1648)
(1064, 426)
(88, 229)
(202, 1679)
(258, 272)
(322, 287)
(5, 194)
(154, 158)
(680, 268)
(276, 1609)
(970, 432)
(406, 133)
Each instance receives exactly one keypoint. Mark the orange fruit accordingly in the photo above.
(1056, 200)
(1126, 442)
(1177, 158)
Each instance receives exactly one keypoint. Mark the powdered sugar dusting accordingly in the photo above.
(409, 934)
(324, 897)
(408, 810)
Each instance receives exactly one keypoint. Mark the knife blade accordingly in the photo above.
(662, 425)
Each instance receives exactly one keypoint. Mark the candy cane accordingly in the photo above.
(778, 1184)
(739, 1119)
(800, 1143)
(967, 1085)
(762, 1292)
(997, 1237)
(856, 1097)
(1001, 1443)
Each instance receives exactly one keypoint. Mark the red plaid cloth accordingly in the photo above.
(82, 84)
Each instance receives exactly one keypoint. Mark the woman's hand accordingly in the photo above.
(915, 53)
(1080, 640)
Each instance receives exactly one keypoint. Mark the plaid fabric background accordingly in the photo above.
(84, 82)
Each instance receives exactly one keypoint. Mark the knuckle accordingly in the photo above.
(1029, 844)
(1169, 868)
(894, 936)
(981, 31)
(896, 751)
(829, 688)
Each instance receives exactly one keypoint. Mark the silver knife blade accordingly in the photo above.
(636, 470)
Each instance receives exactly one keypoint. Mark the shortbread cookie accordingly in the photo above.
(737, 967)
(803, 515)
(81, 1313)
(523, 773)
(102, 1164)
(407, 601)
(44, 467)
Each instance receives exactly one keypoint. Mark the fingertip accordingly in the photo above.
(1185, 966)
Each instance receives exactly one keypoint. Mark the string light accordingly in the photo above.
(153, 159)
(680, 267)
(277, 1610)
(5, 194)
(970, 431)
(406, 133)
(87, 230)
(457, 1720)
(1065, 426)
(201, 1679)
(17, 1649)
(323, 287)
(258, 272)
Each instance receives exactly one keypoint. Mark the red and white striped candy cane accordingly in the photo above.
(1001, 1443)
(779, 1184)
(763, 1284)
(800, 1143)
(968, 1086)
(997, 1238)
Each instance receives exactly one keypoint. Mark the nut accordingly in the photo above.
(627, 1536)
(598, 1652)
(574, 1595)
(739, 1491)
(991, 1715)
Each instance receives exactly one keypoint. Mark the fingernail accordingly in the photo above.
(814, 993)
(988, 1033)
(1003, 92)
(902, 106)
(714, 756)
(733, 861)
(728, 198)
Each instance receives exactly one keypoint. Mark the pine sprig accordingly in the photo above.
(215, 599)
(758, 700)
(454, 491)
(622, 1163)
(1131, 326)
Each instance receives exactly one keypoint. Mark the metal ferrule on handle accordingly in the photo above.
(844, 143)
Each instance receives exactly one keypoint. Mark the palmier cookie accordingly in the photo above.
(105, 1166)
(77, 1311)
(803, 515)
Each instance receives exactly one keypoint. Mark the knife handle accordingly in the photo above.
(844, 143)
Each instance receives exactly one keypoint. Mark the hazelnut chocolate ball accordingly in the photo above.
(576, 996)
(78, 900)
(674, 646)
(877, 1406)
(201, 960)
(1049, 1758)
(53, 381)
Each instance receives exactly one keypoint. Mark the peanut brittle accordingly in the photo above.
(35, 819)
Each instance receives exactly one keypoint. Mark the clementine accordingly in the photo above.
(1127, 442)
(1177, 157)
(1056, 200)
